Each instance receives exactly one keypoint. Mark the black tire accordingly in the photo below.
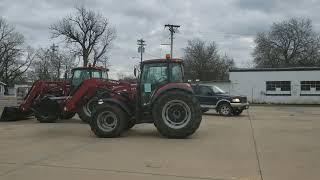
(85, 111)
(204, 110)
(237, 112)
(173, 107)
(118, 121)
(67, 115)
(49, 119)
(225, 109)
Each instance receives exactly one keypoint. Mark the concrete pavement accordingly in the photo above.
(223, 148)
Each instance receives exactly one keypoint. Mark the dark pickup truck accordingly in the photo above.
(212, 97)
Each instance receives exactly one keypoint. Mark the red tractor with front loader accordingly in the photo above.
(112, 107)
(52, 100)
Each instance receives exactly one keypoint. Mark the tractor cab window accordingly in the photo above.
(79, 76)
(96, 74)
(176, 74)
(152, 77)
(155, 73)
(104, 75)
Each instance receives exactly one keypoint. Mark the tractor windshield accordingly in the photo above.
(79, 75)
(155, 75)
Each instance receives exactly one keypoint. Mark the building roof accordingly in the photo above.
(275, 69)
(2, 83)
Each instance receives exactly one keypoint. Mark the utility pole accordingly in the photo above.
(141, 44)
(173, 29)
(54, 49)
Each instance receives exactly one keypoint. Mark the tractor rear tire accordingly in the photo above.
(108, 121)
(177, 114)
(86, 110)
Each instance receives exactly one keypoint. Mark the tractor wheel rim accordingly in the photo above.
(225, 110)
(87, 107)
(107, 121)
(176, 114)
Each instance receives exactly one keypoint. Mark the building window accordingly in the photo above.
(278, 88)
(308, 85)
(310, 88)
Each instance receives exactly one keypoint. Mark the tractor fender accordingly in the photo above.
(113, 101)
(185, 87)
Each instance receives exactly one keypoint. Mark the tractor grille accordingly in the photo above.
(243, 99)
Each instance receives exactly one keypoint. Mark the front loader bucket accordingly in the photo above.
(14, 114)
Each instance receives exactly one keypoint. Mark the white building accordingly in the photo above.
(2, 88)
(277, 85)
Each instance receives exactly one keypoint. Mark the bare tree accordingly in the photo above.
(15, 59)
(89, 31)
(49, 65)
(288, 44)
(128, 78)
(203, 62)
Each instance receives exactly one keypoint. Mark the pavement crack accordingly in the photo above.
(131, 172)
(255, 145)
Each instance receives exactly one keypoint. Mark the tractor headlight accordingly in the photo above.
(236, 100)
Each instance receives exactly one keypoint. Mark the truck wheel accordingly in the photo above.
(237, 112)
(225, 109)
(177, 114)
(85, 111)
(108, 121)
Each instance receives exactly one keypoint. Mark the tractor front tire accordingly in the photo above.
(85, 111)
(177, 114)
(108, 121)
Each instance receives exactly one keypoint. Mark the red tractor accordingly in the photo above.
(52, 100)
(161, 98)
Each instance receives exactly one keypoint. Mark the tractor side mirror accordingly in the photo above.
(65, 76)
(135, 71)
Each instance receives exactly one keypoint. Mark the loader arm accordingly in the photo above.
(86, 90)
(117, 89)
(41, 88)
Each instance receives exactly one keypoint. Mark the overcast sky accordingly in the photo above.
(232, 24)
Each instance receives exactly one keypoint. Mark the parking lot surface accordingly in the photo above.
(267, 142)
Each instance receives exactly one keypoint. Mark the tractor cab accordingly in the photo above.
(157, 73)
(82, 73)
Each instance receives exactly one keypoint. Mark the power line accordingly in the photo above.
(173, 29)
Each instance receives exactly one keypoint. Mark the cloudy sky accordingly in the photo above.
(232, 24)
